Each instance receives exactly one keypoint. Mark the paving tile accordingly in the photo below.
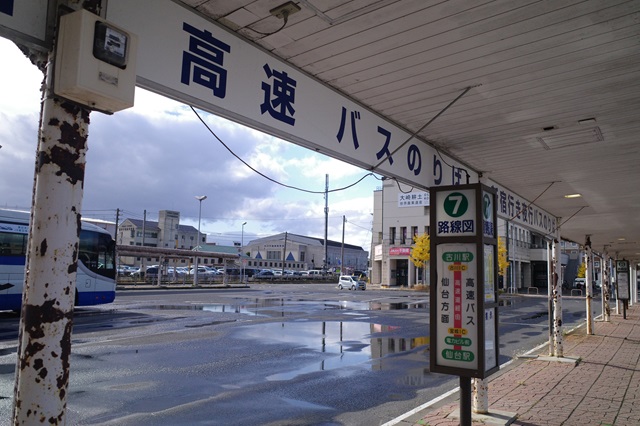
(602, 389)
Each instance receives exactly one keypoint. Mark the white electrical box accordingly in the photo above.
(95, 62)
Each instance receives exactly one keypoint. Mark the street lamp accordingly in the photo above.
(200, 198)
(241, 254)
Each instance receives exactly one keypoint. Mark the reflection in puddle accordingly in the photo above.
(346, 344)
(280, 307)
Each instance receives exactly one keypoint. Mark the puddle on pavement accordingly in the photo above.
(346, 344)
(280, 307)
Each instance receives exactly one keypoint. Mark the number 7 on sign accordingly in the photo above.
(456, 204)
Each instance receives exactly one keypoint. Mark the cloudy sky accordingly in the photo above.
(158, 156)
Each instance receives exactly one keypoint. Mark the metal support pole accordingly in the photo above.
(558, 350)
(614, 281)
(200, 199)
(465, 401)
(480, 396)
(342, 271)
(588, 282)
(242, 260)
(326, 224)
(550, 275)
(44, 344)
(606, 288)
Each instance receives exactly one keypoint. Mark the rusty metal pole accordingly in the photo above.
(557, 301)
(634, 284)
(480, 401)
(550, 278)
(606, 293)
(614, 282)
(588, 282)
(42, 372)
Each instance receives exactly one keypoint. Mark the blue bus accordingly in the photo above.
(96, 274)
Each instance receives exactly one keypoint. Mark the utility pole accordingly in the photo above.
(115, 237)
(144, 232)
(344, 219)
(326, 222)
(284, 253)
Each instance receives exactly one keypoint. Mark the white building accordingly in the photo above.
(399, 214)
(300, 253)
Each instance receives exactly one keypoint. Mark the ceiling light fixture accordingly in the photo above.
(573, 196)
(587, 121)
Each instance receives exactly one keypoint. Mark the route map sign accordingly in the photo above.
(464, 311)
(622, 279)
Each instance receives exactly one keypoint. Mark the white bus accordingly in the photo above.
(96, 274)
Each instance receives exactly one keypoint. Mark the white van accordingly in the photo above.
(315, 274)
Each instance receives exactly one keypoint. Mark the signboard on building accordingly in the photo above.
(464, 309)
(377, 252)
(399, 251)
(28, 22)
(413, 199)
(513, 208)
(622, 279)
(189, 58)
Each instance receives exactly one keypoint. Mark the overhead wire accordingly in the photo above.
(414, 134)
(533, 201)
(269, 178)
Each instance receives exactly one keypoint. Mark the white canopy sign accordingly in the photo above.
(187, 57)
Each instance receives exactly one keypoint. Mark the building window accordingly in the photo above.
(392, 235)
(403, 235)
(273, 254)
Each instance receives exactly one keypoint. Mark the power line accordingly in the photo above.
(269, 178)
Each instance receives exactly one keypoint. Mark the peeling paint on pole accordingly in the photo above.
(588, 282)
(480, 392)
(558, 350)
(44, 347)
(606, 289)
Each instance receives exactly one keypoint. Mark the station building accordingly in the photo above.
(168, 233)
(301, 253)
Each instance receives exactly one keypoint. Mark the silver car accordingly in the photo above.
(351, 283)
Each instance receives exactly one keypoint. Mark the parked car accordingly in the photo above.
(264, 275)
(203, 271)
(149, 272)
(126, 270)
(315, 274)
(178, 272)
(351, 283)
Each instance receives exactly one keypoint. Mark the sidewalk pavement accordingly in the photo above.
(601, 388)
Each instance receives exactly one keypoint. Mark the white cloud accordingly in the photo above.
(158, 155)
